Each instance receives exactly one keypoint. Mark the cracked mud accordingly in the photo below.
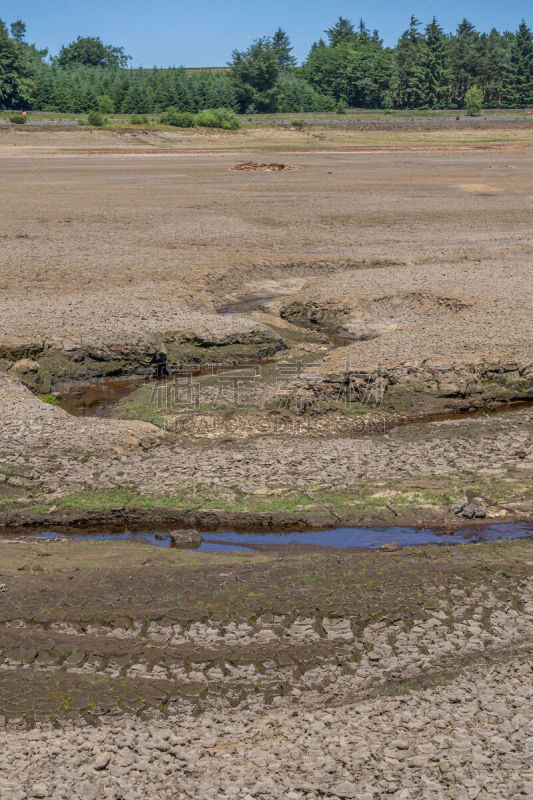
(348, 342)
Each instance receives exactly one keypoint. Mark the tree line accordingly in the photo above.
(350, 67)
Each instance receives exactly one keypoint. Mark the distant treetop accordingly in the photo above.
(91, 51)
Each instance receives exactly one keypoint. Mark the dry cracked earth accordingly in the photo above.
(348, 342)
(133, 673)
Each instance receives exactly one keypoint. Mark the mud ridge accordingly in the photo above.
(415, 389)
(48, 368)
(232, 278)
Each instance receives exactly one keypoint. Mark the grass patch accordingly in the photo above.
(132, 409)
(361, 502)
(120, 498)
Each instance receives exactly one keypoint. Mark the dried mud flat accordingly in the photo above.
(378, 299)
(131, 672)
(385, 288)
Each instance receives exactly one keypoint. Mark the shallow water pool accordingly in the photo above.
(361, 538)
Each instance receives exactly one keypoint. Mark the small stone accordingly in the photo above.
(401, 743)
(101, 761)
(185, 538)
(389, 547)
(344, 789)
(39, 790)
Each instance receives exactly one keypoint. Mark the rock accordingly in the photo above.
(26, 366)
(101, 761)
(402, 743)
(449, 390)
(469, 510)
(39, 790)
(494, 513)
(3, 587)
(185, 538)
(161, 537)
(389, 547)
(473, 510)
(344, 789)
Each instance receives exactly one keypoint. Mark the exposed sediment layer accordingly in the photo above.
(413, 388)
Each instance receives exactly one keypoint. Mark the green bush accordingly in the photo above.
(136, 120)
(473, 101)
(298, 124)
(179, 119)
(218, 118)
(51, 399)
(17, 119)
(342, 105)
(95, 119)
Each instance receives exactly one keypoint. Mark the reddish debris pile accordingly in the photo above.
(256, 166)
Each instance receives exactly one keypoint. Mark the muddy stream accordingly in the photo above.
(100, 398)
(344, 538)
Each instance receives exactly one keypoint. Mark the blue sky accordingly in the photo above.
(203, 32)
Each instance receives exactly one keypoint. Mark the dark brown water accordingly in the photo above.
(100, 398)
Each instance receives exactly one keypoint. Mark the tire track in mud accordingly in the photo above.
(65, 668)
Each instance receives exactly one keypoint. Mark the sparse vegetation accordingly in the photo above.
(178, 119)
(473, 101)
(223, 118)
(95, 119)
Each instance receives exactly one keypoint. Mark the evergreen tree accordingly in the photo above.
(255, 73)
(371, 73)
(409, 67)
(517, 89)
(18, 31)
(491, 51)
(465, 60)
(436, 76)
(328, 70)
(429, 70)
(363, 34)
(282, 48)
(63, 101)
(136, 100)
(341, 33)
(88, 100)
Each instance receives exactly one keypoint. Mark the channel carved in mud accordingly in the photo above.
(344, 538)
(100, 398)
